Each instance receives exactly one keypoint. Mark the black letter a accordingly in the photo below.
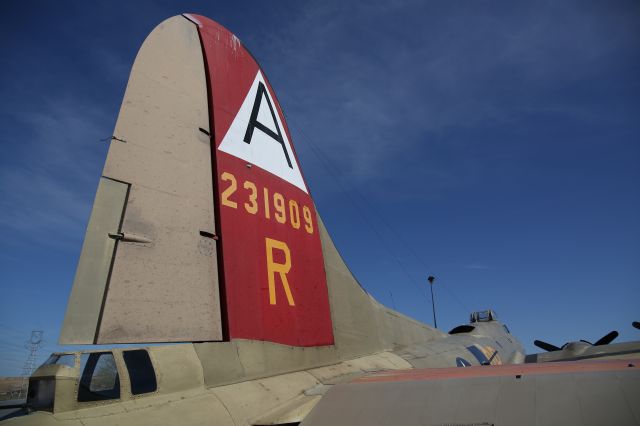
(253, 122)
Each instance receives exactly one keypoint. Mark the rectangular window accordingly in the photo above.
(100, 380)
(62, 359)
(141, 373)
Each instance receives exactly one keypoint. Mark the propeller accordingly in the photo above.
(636, 324)
(546, 346)
(604, 340)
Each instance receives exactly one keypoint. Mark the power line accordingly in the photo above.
(6, 328)
(334, 172)
(408, 247)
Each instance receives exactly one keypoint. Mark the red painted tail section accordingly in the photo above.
(272, 267)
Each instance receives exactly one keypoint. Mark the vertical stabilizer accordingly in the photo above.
(148, 267)
(204, 228)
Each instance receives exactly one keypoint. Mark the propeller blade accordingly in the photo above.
(546, 346)
(605, 340)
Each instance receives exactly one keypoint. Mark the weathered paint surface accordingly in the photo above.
(89, 285)
(581, 393)
(274, 279)
(497, 371)
(163, 281)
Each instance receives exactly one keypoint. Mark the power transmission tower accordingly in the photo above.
(32, 345)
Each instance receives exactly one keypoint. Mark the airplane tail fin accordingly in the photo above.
(148, 266)
(203, 227)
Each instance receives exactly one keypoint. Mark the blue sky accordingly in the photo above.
(493, 144)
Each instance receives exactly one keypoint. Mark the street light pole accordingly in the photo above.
(431, 279)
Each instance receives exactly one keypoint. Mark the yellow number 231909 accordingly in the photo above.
(284, 211)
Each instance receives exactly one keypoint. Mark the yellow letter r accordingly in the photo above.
(281, 268)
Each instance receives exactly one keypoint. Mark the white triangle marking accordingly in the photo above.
(263, 150)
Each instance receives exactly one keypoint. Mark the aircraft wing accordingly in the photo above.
(624, 350)
(568, 393)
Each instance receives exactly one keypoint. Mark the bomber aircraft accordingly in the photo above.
(204, 236)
